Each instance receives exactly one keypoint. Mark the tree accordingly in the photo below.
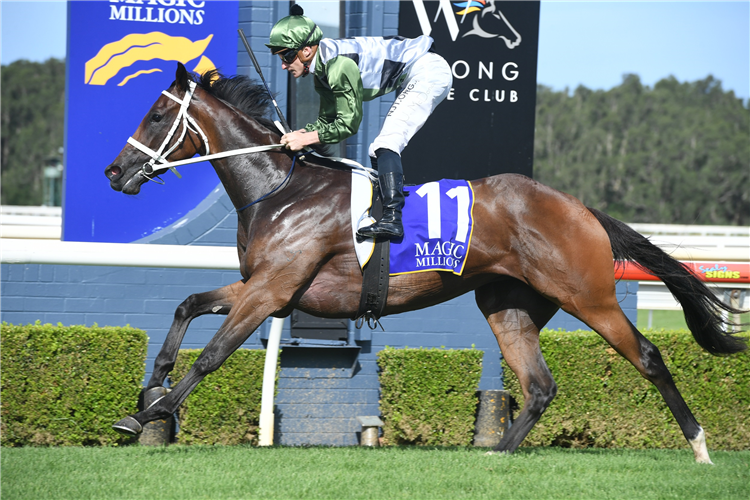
(32, 111)
(677, 153)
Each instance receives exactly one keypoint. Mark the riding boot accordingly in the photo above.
(391, 180)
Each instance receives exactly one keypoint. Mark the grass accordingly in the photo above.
(668, 320)
(671, 320)
(244, 472)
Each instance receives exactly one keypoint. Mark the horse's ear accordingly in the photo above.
(181, 76)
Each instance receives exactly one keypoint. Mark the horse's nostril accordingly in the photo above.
(113, 171)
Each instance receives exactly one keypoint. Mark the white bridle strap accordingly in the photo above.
(216, 156)
(183, 118)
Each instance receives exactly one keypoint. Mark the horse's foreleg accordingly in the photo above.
(241, 322)
(516, 313)
(255, 300)
(217, 301)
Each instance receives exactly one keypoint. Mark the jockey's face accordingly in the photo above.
(296, 67)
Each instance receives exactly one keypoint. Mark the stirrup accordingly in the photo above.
(381, 231)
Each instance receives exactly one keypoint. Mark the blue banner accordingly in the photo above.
(121, 55)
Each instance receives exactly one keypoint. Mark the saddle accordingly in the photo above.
(438, 222)
(374, 258)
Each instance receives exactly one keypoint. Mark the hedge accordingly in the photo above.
(428, 396)
(225, 407)
(66, 385)
(603, 401)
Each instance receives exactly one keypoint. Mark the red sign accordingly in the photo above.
(715, 272)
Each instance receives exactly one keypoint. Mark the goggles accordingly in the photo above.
(289, 55)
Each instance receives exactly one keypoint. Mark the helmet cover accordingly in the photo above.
(294, 32)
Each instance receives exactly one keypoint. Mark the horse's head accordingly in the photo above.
(167, 131)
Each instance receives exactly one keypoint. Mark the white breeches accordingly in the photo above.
(426, 85)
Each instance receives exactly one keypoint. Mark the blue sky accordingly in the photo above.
(591, 43)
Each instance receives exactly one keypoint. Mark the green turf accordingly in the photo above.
(668, 320)
(239, 472)
(671, 320)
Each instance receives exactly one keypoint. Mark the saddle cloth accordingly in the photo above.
(438, 222)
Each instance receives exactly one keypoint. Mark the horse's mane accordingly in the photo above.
(246, 95)
(241, 92)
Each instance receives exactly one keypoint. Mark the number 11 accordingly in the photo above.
(432, 191)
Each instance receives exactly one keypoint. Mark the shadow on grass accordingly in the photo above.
(530, 451)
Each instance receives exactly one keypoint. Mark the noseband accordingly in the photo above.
(182, 117)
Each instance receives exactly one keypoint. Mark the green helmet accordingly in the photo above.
(294, 32)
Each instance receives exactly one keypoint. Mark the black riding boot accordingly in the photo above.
(391, 180)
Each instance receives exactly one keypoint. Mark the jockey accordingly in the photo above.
(349, 71)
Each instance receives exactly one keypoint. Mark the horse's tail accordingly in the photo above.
(701, 306)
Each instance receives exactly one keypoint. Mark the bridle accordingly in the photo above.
(182, 118)
(158, 161)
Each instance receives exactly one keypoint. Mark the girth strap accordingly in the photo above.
(375, 277)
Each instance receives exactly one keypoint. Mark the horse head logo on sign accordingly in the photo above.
(487, 20)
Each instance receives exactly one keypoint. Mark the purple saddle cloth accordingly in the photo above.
(438, 221)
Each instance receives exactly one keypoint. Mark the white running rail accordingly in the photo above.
(30, 222)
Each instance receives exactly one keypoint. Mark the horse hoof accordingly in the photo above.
(128, 426)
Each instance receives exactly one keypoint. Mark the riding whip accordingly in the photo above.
(286, 126)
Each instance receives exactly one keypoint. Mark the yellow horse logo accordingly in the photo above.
(115, 56)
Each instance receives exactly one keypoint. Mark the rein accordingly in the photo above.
(150, 168)
(294, 161)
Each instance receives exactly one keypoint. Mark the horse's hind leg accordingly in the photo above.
(611, 323)
(586, 290)
(217, 301)
(590, 296)
(516, 313)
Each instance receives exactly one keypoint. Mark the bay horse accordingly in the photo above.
(535, 250)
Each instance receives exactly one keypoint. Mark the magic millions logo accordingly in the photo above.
(156, 49)
(158, 11)
(119, 55)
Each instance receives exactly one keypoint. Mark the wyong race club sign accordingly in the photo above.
(121, 55)
(486, 124)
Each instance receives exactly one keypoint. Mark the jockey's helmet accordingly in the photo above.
(294, 32)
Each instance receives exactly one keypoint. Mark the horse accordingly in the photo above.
(535, 250)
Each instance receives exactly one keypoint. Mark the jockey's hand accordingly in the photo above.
(298, 139)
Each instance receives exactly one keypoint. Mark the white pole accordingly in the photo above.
(265, 437)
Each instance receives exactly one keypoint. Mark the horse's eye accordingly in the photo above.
(156, 117)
